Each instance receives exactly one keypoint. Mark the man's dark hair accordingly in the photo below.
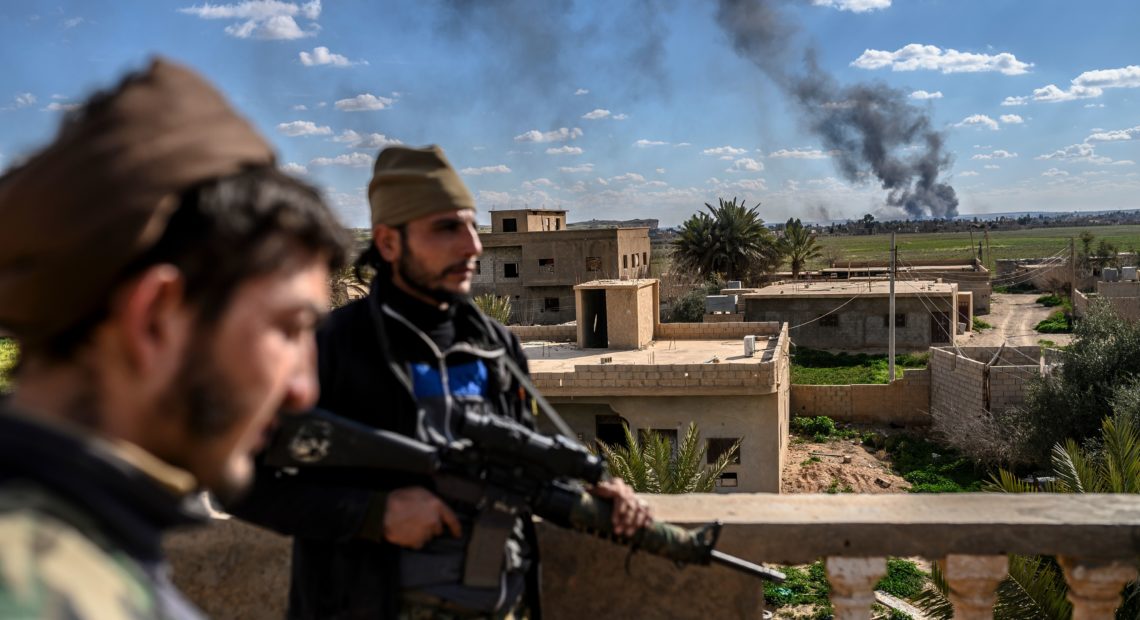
(224, 232)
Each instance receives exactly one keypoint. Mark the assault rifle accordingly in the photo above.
(502, 469)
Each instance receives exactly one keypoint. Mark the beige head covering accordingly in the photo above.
(81, 209)
(409, 183)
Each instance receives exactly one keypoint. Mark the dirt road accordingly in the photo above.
(1013, 317)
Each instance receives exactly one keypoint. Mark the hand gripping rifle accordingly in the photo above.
(502, 468)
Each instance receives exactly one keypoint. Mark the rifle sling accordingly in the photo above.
(483, 567)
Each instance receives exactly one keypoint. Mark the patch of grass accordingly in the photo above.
(931, 468)
(9, 353)
(904, 579)
(803, 586)
(1046, 343)
(809, 461)
(834, 487)
(1055, 323)
(815, 367)
(1050, 301)
(820, 429)
(979, 324)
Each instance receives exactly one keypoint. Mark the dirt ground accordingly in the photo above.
(843, 466)
(1013, 317)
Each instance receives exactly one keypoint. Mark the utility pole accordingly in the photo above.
(1072, 270)
(891, 315)
(987, 258)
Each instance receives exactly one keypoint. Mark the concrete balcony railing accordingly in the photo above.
(235, 572)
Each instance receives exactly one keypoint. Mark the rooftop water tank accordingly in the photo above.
(1128, 273)
(1111, 274)
(720, 303)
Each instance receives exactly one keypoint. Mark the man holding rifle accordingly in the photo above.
(414, 357)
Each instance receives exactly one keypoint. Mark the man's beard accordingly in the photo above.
(420, 281)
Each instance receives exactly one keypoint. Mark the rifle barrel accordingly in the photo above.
(746, 567)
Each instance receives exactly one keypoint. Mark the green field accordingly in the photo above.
(913, 248)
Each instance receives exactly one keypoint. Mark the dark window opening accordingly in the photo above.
(625, 261)
(558, 224)
(593, 263)
(510, 270)
(550, 304)
(719, 446)
(510, 224)
(900, 320)
(546, 265)
(645, 258)
(727, 479)
(478, 267)
(610, 430)
(830, 320)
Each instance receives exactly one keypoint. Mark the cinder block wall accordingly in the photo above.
(716, 331)
(958, 382)
(905, 402)
(550, 333)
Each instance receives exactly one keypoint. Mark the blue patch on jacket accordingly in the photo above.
(468, 379)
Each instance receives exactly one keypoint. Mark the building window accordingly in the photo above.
(478, 267)
(510, 270)
(558, 224)
(900, 320)
(831, 320)
(550, 304)
(546, 265)
(719, 446)
(645, 258)
(510, 224)
(727, 479)
(625, 261)
(593, 263)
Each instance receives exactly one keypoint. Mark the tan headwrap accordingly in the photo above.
(409, 183)
(94, 199)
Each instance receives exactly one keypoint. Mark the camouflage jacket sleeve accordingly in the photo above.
(49, 569)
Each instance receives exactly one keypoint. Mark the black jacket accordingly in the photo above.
(336, 573)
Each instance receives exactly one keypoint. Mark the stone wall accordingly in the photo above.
(235, 571)
(904, 402)
(548, 333)
(716, 331)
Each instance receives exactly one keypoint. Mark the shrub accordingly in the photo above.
(1020, 287)
(931, 468)
(979, 324)
(498, 308)
(904, 579)
(1050, 301)
(815, 367)
(689, 308)
(1056, 323)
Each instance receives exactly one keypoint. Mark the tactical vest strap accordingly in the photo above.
(484, 565)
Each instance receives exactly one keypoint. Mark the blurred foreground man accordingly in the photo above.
(412, 358)
(163, 280)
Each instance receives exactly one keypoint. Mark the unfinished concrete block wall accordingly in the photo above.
(550, 333)
(964, 382)
(904, 402)
(716, 331)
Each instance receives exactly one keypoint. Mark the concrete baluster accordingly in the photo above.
(973, 581)
(1095, 585)
(853, 585)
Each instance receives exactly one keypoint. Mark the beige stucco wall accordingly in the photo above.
(646, 312)
(760, 422)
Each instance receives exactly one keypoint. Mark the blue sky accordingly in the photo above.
(623, 109)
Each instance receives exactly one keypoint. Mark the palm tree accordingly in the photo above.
(730, 239)
(1035, 587)
(799, 246)
(498, 308)
(655, 466)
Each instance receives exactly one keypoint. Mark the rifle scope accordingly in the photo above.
(557, 455)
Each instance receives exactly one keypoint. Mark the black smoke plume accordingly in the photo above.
(870, 129)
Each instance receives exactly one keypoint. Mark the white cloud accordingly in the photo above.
(968, 173)
(644, 144)
(499, 169)
(922, 94)
(1077, 152)
(620, 117)
(57, 96)
(564, 150)
(558, 135)
(598, 113)
(303, 128)
(801, 154)
(355, 140)
(726, 158)
(660, 171)
(725, 150)
(23, 100)
(992, 167)
(630, 177)
(745, 164)
(72, 23)
(682, 144)
(56, 106)
(581, 91)
(855, 6)
(366, 102)
(543, 182)
(998, 154)
(322, 56)
(294, 168)
(300, 107)
(264, 19)
(1054, 172)
(1094, 105)
(978, 120)
(1011, 119)
(577, 169)
(1115, 135)
(352, 160)
(1088, 85)
(914, 57)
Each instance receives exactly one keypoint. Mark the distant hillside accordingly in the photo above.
(651, 224)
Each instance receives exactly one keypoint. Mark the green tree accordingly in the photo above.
(654, 465)
(498, 308)
(729, 240)
(799, 246)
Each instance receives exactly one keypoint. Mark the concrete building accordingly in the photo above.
(1123, 296)
(647, 375)
(970, 276)
(853, 315)
(530, 257)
